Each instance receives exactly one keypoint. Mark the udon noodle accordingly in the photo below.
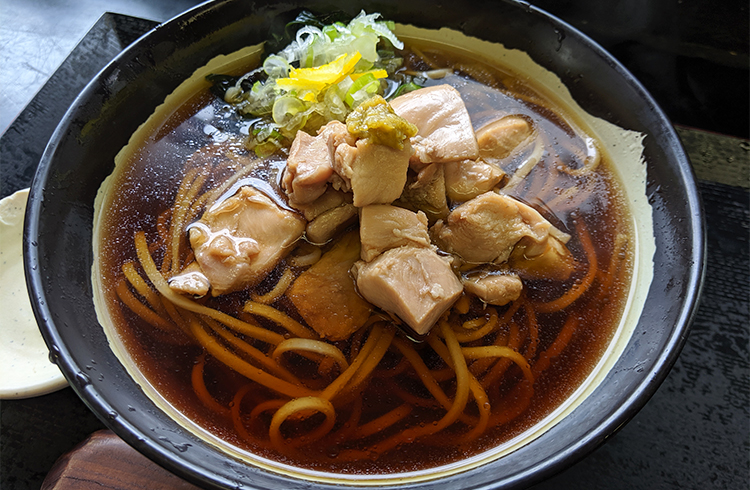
(248, 367)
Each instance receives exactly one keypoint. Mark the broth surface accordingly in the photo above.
(562, 347)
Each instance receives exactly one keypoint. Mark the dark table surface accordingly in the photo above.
(694, 432)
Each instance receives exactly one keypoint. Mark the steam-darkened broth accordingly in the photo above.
(388, 416)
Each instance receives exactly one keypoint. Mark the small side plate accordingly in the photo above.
(25, 369)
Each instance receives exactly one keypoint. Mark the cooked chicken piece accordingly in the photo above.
(426, 192)
(325, 295)
(467, 179)
(336, 133)
(486, 228)
(330, 223)
(308, 168)
(382, 227)
(498, 139)
(191, 281)
(415, 284)
(494, 289)
(375, 173)
(238, 241)
(553, 262)
(330, 199)
(445, 131)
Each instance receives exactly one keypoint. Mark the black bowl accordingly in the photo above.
(81, 154)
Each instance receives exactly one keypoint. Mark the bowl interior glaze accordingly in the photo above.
(81, 154)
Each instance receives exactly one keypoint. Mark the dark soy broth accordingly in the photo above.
(205, 136)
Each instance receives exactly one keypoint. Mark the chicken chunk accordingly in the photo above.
(375, 173)
(336, 133)
(486, 228)
(552, 261)
(330, 199)
(308, 168)
(239, 240)
(494, 289)
(498, 139)
(191, 281)
(445, 130)
(466, 179)
(328, 224)
(325, 295)
(426, 192)
(383, 227)
(415, 284)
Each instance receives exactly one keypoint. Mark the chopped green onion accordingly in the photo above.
(266, 148)
(317, 42)
(362, 88)
(276, 67)
(405, 89)
(332, 32)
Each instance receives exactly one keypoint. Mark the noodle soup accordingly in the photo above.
(247, 366)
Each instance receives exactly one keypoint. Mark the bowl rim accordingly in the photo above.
(139, 439)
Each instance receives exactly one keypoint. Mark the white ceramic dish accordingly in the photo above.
(25, 368)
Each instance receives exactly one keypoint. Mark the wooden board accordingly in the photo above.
(106, 462)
